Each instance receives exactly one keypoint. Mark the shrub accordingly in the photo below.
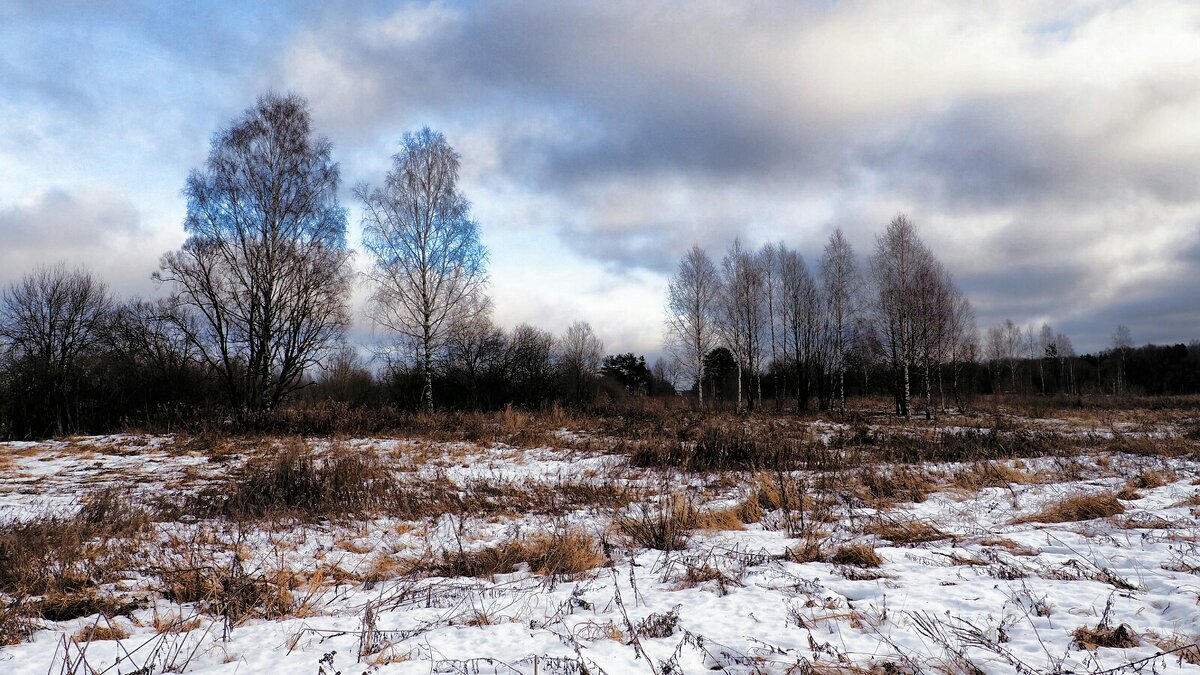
(15, 624)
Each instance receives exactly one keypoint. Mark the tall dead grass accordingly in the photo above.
(1078, 507)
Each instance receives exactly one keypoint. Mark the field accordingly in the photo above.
(651, 542)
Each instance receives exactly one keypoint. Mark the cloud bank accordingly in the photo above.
(1048, 153)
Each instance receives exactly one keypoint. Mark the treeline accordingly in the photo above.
(1041, 361)
(788, 334)
(256, 310)
(77, 360)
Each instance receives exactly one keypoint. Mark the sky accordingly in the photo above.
(1049, 153)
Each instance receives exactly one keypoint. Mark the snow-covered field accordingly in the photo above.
(971, 579)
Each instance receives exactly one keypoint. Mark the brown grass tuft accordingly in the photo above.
(721, 519)
(981, 475)
(1077, 508)
(557, 554)
(896, 484)
(296, 480)
(856, 555)
(902, 532)
(95, 633)
(66, 606)
(1148, 480)
(665, 527)
(1121, 637)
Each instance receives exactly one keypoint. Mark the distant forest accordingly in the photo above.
(255, 315)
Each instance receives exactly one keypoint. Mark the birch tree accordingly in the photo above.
(693, 295)
(742, 310)
(1122, 342)
(899, 257)
(261, 282)
(427, 260)
(799, 312)
(841, 289)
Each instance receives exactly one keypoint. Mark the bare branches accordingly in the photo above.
(264, 271)
(692, 297)
(428, 262)
(48, 320)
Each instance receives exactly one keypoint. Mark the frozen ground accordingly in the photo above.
(983, 587)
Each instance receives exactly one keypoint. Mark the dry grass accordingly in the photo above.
(66, 606)
(1146, 480)
(889, 485)
(296, 480)
(905, 532)
(96, 633)
(16, 626)
(987, 474)
(1121, 637)
(856, 555)
(1078, 508)
(562, 553)
(1193, 500)
(664, 526)
(57, 554)
(1186, 649)
(810, 549)
(1007, 544)
(724, 519)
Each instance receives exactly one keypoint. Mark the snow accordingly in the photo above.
(1001, 593)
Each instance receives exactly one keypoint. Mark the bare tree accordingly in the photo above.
(896, 267)
(475, 346)
(1004, 349)
(768, 261)
(264, 269)
(48, 321)
(799, 306)
(148, 332)
(841, 289)
(742, 309)
(1066, 362)
(578, 358)
(1047, 349)
(427, 259)
(529, 370)
(935, 303)
(1122, 342)
(965, 346)
(693, 295)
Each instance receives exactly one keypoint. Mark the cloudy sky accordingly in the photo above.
(1048, 152)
